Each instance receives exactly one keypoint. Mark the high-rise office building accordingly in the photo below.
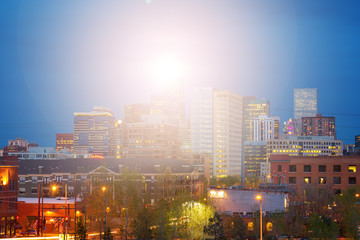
(93, 132)
(266, 128)
(64, 141)
(153, 138)
(202, 111)
(357, 141)
(318, 126)
(255, 154)
(305, 102)
(253, 109)
(134, 112)
(216, 128)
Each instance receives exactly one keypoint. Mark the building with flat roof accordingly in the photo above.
(64, 141)
(305, 102)
(305, 146)
(338, 173)
(266, 128)
(8, 195)
(253, 109)
(318, 126)
(93, 132)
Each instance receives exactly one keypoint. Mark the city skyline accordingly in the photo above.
(58, 59)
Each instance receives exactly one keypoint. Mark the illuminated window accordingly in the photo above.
(307, 180)
(250, 226)
(269, 226)
(322, 180)
(352, 168)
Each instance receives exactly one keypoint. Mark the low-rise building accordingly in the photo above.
(338, 173)
(8, 195)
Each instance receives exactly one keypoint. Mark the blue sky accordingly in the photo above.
(60, 57)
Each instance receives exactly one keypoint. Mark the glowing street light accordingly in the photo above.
(258, 197)
(104, 189)
(357, 195)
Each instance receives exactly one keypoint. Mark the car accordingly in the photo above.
(28, 233)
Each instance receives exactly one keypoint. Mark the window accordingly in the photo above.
(352, 180)
(322, 180)
(269, 226)
(307, 180)
(352, 168)
(307, 168)
(292, 180)
(279, 168)
(34, 190)
(337, 168)
(337, 180)
(21, 190)
(34, 179)
(46, 180)
(83, 177)
(292, 168)
(250, 226)
(322, 168)
(22, 179)
(58, 179)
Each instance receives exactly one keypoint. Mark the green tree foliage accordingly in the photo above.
(162, 222)
(215, 228)
(141, 225)
(235, 227)
(347, 211)
(322, 227)
(195, 217)
(225, 182)
(80, 229)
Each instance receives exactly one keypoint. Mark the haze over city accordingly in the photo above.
(58, 58)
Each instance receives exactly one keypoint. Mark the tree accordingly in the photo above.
(141, 225)
(322, 227)
(80, 229)
(235, 227)
(227, 181)
(162, 221)
(215, 228)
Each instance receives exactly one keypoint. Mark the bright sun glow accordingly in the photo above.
(167, 71)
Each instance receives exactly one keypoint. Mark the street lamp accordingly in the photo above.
(258, 197)
(104, 189)
(357, 195)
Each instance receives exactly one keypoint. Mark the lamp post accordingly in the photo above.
(104, 189)
(258, 197)
(357, 195)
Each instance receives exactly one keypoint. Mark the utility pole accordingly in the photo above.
(38, 217)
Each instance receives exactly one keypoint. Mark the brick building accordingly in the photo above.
(8, 195)
(318, 126)
(336, 172)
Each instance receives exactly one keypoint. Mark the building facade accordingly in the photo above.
(253, 109)
(255, 154)
(216, 128)
(266, 128)
(338, 173)
(305, 146)
(8, 195)
(305, 102)
(318, 126)
(65, 141)
(134, 112)
(93, 132)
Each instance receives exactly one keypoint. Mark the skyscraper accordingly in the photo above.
(266, 128)
(253, 109)
(216, 128)
(93, 131)
(305, 102)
